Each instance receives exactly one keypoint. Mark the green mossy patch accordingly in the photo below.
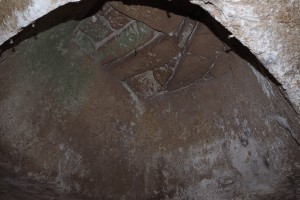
(53, 61)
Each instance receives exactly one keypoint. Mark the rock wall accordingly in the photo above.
(16, 15)
(143, 111)
(270, 29)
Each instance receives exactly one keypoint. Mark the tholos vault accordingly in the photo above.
(149, 100)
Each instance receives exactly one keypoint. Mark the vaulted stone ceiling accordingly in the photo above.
(120, 104)
(270, 29)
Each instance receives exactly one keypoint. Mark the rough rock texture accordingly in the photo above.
(15, 14)
(72, 116)
(16, 187)
(270, 29)
(146, 15)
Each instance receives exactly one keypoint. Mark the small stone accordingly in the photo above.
(162, 75)
(144, 84)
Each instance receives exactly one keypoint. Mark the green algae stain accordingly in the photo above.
(133, 37)
(53, 61)
(90, 33)
(85, 43)
(97, 30)
(56, 65)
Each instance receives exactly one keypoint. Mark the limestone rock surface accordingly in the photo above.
(16, 14)
(71, 116)
(271, 30)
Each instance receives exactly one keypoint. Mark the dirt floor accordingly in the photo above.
(134, 102)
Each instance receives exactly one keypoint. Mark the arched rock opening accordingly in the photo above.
(150, 101)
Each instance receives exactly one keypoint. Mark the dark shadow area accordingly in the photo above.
(86, 8)
(70, 11)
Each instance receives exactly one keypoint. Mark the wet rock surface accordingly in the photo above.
(114, 108)
(15, 186)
